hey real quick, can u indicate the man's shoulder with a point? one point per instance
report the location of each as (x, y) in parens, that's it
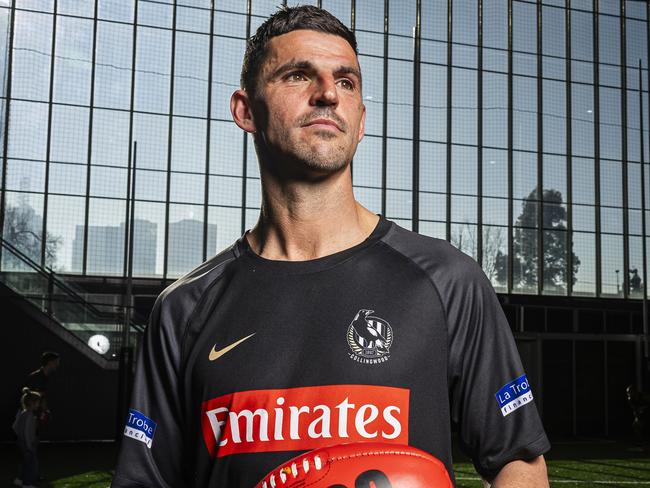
(436, 257)
(189, 288)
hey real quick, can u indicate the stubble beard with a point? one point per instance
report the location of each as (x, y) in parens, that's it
(322, 154)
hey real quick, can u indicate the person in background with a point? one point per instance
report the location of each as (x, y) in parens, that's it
(25, 429)
(38, 381)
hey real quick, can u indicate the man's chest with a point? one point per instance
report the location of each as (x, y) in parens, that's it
(294, 364)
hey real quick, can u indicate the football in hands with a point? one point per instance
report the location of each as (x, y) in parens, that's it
(360, 465)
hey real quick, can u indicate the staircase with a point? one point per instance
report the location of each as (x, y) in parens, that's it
(94, 329)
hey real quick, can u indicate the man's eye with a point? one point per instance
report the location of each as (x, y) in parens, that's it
(296, 77)
(347, 84)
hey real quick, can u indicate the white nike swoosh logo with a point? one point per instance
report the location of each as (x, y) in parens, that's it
(214, 354)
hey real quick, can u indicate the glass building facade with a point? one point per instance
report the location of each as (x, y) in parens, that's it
(517, 130)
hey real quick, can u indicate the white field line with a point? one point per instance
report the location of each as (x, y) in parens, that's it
(552, 481)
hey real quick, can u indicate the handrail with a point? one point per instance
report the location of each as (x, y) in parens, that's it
(50, 275)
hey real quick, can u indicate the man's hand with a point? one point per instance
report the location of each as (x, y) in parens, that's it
(517, 474)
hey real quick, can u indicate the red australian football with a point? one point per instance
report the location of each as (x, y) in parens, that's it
(360, 465)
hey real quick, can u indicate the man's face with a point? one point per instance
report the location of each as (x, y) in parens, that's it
(52, 365)
(308, 108)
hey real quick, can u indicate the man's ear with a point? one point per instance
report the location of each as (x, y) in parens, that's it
(241, 110)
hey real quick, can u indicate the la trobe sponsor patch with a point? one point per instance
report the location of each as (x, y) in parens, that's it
(513, 395)
(140, 427)
(370, 338)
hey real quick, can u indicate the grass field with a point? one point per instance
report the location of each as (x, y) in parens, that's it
(572, 464)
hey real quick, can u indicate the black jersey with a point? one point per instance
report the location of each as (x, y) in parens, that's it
(247, 362)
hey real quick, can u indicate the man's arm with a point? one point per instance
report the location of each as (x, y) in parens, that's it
(531, 474)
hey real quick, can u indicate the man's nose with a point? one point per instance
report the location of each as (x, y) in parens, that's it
(325, 92)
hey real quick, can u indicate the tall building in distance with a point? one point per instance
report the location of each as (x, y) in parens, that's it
(185, 246)
(107, 243)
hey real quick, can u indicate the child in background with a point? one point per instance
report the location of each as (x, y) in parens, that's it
(25, 428)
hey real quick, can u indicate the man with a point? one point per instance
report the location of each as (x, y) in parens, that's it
(325, 323)
(38, 381)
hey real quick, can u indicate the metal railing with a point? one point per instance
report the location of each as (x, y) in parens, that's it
(99, 326)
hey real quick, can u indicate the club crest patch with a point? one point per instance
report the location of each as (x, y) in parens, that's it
(369, 338)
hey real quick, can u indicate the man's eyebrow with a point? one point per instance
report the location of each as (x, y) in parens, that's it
(345, 70)
(309, 66)
(293, 64)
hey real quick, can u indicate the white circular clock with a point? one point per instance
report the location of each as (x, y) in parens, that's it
(99, 343)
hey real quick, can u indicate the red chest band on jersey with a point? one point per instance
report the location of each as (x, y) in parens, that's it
(304, 418)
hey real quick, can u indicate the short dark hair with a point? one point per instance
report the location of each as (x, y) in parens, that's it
(48, 356)
(285, 20)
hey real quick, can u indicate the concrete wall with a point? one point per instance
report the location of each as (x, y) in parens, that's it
(82, 396)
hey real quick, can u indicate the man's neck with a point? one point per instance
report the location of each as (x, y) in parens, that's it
(301, 221)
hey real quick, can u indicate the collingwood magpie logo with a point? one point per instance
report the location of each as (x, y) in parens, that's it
(370, 338)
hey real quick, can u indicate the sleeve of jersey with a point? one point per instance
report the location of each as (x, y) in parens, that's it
(150, 453)
(491, 400)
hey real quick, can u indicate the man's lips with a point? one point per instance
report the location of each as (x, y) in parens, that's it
(323, 122)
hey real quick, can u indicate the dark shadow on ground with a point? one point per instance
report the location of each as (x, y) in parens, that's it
(60, 460)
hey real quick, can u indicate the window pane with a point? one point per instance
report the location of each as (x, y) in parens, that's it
(25, 175)
(106, 232)
(433, 167)
(373, 94)
(188, 145)
(584, 250)
(495, 211)
(400, 99)
(187, 188)
(185, 240)
(69, 179)
(612, 265)
(191, 74)
(555, 262)
(524, 247)
(227, 227)
(611, 183)
(463, 237)
(524, 174)
(65, 216)
(583, 180)
(152, 77)
(495, 110)
(554, 118)
(610, 123)
(524, 113)
(433, 106)
(554, 175)
(69, 139)
(32, 56)
(110, 143)
(23, 228)
(464, 106)
(108, 182)
(28, 130)
(226, 65)
(464, 170)
(120, 10)
(150, 132)
(635, 273)
(74, 43)
(151, 185)
(113, 65)
(226, 149)
(149, 239)
(495, 256)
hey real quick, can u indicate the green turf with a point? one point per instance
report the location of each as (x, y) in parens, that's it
(575, 464)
